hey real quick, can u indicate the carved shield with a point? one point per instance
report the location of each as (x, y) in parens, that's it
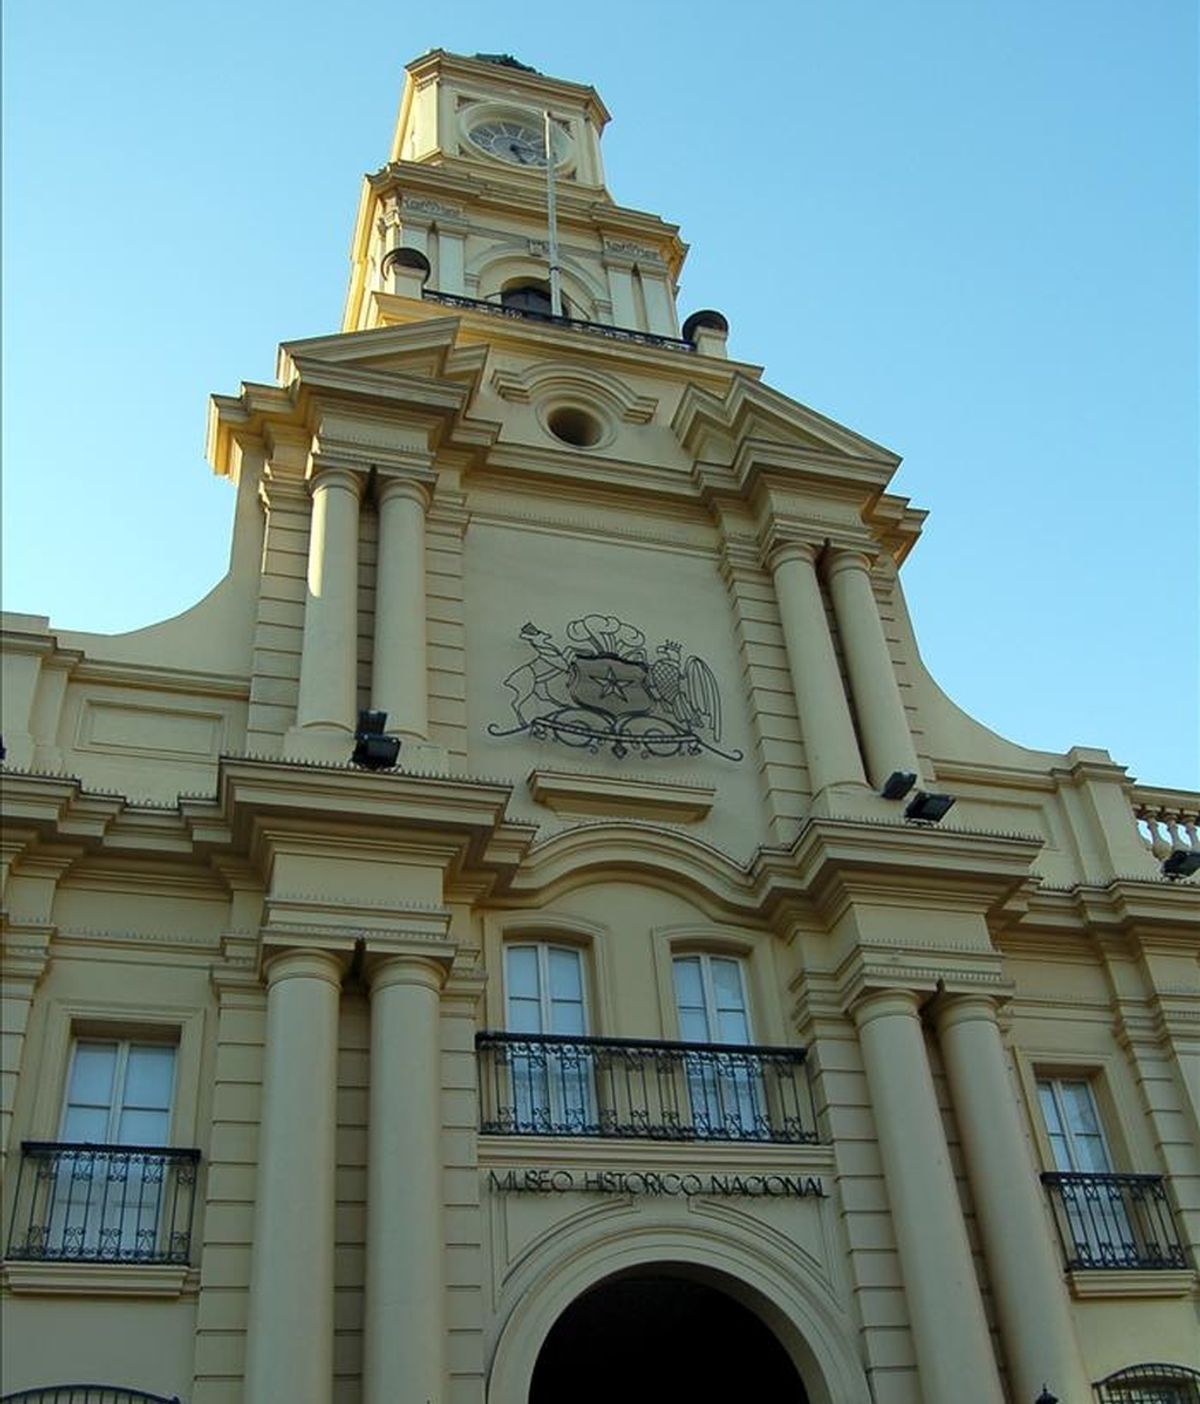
(604, 682)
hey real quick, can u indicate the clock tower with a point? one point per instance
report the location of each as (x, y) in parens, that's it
(461, 208)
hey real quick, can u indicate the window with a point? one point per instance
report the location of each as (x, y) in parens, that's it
(106, 1203)
(1092, 1197)
(1073, 1125)
(119, 1093)
(710, 995)
(552, 1077)
(726, 1089)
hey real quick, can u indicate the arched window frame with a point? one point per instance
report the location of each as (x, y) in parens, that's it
(527, 928)
(540, 286)
(754, 952)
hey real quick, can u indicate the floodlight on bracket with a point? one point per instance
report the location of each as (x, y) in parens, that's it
(925, 807)
(1182, 863)
(374, 750)
(898, 784)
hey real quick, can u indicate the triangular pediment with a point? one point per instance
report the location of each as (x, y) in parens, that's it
(750, 411)
(423, 349)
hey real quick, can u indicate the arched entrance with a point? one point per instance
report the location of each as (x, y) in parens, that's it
(652, 1336)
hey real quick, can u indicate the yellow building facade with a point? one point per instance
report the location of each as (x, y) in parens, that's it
(700, 1006)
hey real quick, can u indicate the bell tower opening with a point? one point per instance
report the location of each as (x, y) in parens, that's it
(530, 295)
(650, 1337)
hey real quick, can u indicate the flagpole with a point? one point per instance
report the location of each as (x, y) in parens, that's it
(552, 221)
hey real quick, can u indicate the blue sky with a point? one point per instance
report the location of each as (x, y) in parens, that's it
(966, 229)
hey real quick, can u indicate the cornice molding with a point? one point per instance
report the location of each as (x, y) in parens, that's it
(570, 792)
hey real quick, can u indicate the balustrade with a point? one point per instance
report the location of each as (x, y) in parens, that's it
(86, 1394)
(84, 1203)
(1114, 1221)
(630, 1089)
(1167, 821)
(529, 314)
(1154, 1383)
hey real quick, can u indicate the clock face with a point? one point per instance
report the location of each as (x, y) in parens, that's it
(511, 139)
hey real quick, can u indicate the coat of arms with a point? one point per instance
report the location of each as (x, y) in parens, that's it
(601, 690)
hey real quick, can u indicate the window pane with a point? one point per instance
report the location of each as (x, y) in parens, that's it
(566, 978)
(689, 991)
(92, 1074)
(85, 1124)
(148, 1076)
(522, 972)
(1049, 1108)
(1079, 1108)
(143, 1128)
(732, 1027)
(1091, 1154)
(727, 985)
(566, 1017)
(524, 1015)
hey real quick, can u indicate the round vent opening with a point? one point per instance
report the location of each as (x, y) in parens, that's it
(575, 426)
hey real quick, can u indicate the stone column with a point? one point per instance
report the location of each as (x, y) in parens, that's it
(404, 1329)
(830, 745)
(1025, 1270)
(882, 721)
(290, 1323)
(949, 1328)
(400, 672)
(329, 662)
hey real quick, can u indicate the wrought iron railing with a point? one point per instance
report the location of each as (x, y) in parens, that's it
(86, 1394)
(529, 314)
(1114, 1221)
(638, 1089)
(1151, 1384)
(84, 1203)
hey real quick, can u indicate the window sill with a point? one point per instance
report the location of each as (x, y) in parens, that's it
(100, 1279)
(1131, 1282)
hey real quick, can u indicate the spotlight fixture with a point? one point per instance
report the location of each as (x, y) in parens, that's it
(372, 748)
(1046, 1397)
(926, 808)
(898, 784)
(1182, 863)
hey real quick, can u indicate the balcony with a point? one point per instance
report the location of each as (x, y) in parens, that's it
(86, 1394)
(1114, 1221)
(529, 314)
(636, 1089)
(84, 1203)
(1150, 1384)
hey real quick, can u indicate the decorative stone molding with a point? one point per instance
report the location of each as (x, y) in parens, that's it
(425, 205)
(1130, 1282)
(626, 251)
(100, 1279)
(549, 380)
(577, 793)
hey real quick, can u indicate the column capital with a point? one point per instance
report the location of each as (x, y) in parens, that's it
(778, 550)
(304, 963)
(408, 968)
(839, 558)
(952, 1008)
(883, 1002)
(418, 489)
(324, 474)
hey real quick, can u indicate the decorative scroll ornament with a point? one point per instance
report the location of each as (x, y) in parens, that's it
(601, 692)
